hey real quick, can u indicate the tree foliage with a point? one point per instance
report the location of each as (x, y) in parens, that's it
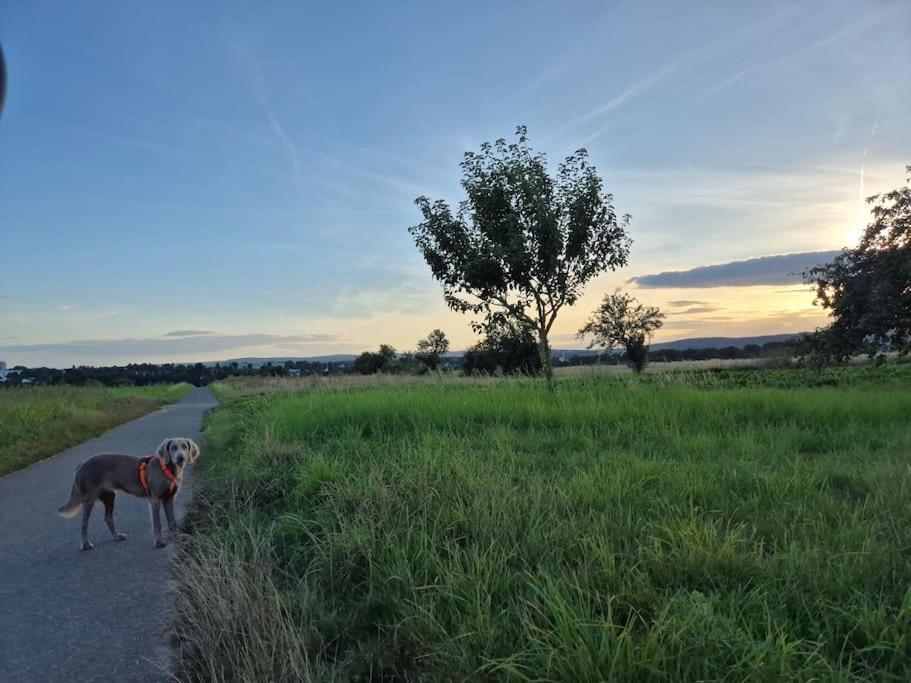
(867, 289)
(430, 350)
(508, 347)
(524, 243)
(621, 320)
(369, 363)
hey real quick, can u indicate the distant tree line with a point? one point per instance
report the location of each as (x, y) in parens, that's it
(140, 374)
(506, 349)
(775, 349)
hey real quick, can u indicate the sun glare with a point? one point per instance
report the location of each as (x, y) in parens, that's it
(853, 234)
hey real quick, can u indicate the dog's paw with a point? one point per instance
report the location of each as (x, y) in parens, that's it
(87, 546)
(119, 537)
(160, 544)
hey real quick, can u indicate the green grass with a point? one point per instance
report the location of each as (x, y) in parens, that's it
(693, 528)
(36, 422)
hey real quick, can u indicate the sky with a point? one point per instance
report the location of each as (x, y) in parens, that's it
(199, 181)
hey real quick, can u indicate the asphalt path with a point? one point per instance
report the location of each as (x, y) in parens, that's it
(98, 615)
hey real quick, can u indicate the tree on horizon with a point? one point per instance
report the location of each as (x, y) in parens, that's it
(524, 243)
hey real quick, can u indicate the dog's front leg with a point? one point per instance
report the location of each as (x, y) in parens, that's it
(169, 513)
(172, 521)
(155, 507)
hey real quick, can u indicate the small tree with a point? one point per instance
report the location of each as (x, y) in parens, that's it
(508, 346)
(369, 363)
(388, 353)
(867, 289)
(620, 320)
(523, 244)
(431, 349)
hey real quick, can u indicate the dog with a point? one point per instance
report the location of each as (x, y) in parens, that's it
(156, 477)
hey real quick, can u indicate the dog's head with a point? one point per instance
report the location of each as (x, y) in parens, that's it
(178, 451)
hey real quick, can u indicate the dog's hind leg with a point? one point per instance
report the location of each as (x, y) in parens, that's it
(107, 497)
(86, 513)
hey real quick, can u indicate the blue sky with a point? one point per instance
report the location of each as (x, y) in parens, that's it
(243, 173)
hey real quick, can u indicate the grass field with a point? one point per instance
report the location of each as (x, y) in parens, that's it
(737, 525)
(36, 422)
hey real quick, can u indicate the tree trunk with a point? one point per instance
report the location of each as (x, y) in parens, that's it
(546, 367)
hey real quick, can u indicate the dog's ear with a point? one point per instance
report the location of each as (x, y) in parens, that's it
(194, 450)
(163, 448)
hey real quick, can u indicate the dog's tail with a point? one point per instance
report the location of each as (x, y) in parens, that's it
(72, 506)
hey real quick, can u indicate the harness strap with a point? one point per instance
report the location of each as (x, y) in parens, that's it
(144, 473)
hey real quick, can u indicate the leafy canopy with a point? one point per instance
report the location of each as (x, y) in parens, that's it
(369, 362)
(867, 289)
(430, 350)
(523, 243)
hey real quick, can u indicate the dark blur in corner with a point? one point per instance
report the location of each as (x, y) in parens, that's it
(2, 80)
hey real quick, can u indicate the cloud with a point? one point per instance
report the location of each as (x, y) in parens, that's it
(792, 290)
(698, 309)
(171, 347)
(686, 302)
(782, 269)
(851, 28)
(259, 90)
(78, 312)
(630, 93)
(188, 333)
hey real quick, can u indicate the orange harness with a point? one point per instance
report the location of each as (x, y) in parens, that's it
(144, 476)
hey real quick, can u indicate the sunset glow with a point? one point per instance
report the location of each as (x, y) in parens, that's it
(230, 186)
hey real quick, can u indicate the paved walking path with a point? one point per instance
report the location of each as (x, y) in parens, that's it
(100, 615)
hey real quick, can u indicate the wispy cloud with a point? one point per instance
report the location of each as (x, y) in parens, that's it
(628, 94)
(259, 90)
(780, 269)
(87, 313)
(171, 347)
(687, 302)
(288, 144)
(188, 333)
(794, 290)
(854, 27)
(697, 309)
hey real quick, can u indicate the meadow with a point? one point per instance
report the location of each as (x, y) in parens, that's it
(732, 525)
(36, 422)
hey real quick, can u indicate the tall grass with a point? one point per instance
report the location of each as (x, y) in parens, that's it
(626, 530)
(36, 422)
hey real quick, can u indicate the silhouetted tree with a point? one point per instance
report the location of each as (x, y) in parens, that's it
(430, 350)
(369, 363)
(523, 244)
(620, 320)
(867, 289)
(508, 346)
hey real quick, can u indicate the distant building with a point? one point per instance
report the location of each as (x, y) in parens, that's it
(3, 371)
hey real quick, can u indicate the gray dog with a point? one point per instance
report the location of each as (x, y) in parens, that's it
(156, 477)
